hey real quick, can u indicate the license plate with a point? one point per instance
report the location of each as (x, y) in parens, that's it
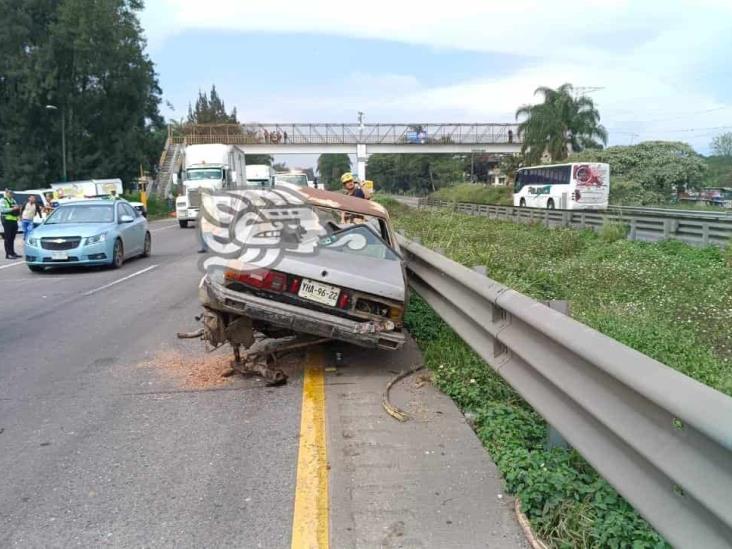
(317, 291)
(59, 256)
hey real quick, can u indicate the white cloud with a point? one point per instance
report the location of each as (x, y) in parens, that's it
(651, 57)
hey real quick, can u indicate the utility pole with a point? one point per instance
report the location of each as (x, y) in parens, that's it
(63, 137)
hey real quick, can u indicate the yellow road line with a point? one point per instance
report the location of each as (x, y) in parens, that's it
(310, 520)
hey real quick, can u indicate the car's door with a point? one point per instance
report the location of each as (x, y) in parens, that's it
(126, 230)
(137, 227)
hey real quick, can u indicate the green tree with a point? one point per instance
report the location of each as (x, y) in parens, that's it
(417, 173)
(87, 59)
(562, 124)
(659, 167)
(331, 167)
(509, 164)
(722, 144)
(210, 109)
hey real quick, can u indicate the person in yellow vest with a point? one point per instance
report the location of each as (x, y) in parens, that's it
(9, 211)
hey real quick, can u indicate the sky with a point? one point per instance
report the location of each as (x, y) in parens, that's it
(656, 69)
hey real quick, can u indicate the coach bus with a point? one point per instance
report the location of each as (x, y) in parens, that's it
(574, 186)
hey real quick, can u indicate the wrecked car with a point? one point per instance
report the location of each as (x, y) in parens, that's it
(302, 265)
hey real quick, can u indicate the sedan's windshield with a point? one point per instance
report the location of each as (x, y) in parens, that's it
(202, 174)
(78, 213)
(359, 240)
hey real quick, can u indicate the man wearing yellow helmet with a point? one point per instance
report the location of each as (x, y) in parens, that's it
(350, 187)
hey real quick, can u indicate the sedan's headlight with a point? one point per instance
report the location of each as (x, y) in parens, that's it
(34, 241)
(97, 238)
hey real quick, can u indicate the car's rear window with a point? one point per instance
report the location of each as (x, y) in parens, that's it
(359, 240)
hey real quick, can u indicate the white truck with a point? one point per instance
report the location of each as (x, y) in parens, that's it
(214, 167)
(260, 175)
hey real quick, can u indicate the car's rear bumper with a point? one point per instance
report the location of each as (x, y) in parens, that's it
(298, 319)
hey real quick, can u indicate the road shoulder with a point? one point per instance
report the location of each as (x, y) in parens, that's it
(426, 482)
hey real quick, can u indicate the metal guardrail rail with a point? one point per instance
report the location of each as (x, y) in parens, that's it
(663, 440)
(699, 229)
(344, 134)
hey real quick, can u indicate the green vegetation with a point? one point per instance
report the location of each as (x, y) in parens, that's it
(667, 300)
(722, 145)
(719, 171)
(475, 193)
(157, 208)
(331, 167)
(561, 124)
(416, 173)
(86, 59)
(649, 171)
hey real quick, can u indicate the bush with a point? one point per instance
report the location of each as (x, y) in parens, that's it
(631, 193)
(475, 194)
(613, 231)
(727, 254)
(156, 207)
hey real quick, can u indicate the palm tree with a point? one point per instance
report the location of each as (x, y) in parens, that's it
(562, 124)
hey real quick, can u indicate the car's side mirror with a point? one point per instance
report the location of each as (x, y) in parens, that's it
(126, 219)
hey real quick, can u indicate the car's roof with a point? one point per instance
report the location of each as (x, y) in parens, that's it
(339, 201)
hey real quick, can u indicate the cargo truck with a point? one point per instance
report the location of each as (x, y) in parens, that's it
(213, 167)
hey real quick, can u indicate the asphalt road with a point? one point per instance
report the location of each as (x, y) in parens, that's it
(97, 448)
(108, 439)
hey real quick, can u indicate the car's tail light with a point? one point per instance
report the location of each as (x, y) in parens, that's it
(261, 279)
(344, 300)
(395, 313)
(294, 285)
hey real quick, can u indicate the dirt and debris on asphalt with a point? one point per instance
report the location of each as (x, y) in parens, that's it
(194, 368)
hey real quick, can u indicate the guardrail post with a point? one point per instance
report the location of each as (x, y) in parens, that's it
(633, 229)
(566, 218)
(554, 438)
(705, 234)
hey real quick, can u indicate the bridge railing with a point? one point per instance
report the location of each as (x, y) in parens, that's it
(345, 134)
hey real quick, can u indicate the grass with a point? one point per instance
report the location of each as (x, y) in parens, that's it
(475, 193)
(667, 300)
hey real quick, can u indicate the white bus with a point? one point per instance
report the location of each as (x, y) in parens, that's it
(575, 186)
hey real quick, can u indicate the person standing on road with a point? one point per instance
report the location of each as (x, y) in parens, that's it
(31, 209)
(9, 211)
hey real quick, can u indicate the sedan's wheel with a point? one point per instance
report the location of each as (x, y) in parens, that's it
(183, 224)
(550, 204)
(118, 256)
(522, 203)
(148, 246)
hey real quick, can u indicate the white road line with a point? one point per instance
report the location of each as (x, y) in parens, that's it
(11, 265)
(143, 271)
(163, 228)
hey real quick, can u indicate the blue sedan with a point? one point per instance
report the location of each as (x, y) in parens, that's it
(89, 232)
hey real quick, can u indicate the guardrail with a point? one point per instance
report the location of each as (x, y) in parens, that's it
(699, 229)
(663, 440)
